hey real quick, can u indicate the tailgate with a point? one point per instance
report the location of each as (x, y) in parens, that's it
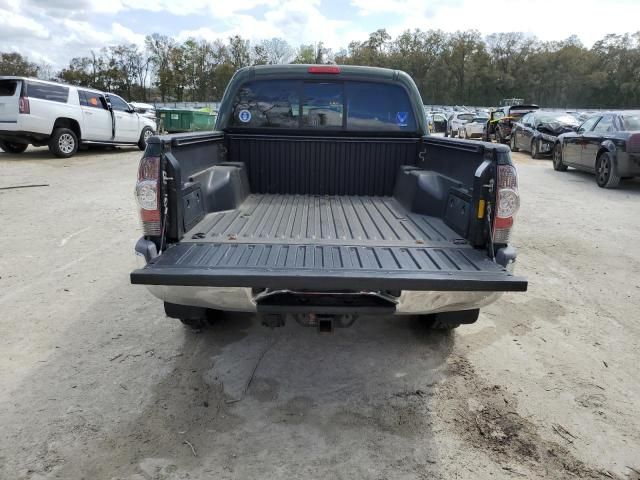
(327, 267)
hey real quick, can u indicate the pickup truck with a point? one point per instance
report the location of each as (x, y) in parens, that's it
(321, 196)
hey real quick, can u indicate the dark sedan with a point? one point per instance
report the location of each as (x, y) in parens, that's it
(537, 132)
(607, 144)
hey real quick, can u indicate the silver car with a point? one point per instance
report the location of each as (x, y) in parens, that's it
(475, 128)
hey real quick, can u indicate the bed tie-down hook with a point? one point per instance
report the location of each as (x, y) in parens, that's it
(422, 155)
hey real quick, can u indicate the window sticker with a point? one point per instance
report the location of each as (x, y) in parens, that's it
(244, 116)
(401, 118)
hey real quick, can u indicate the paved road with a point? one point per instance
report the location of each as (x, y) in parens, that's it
(98, 384)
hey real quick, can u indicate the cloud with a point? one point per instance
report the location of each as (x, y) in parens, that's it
(297, 22)
(60, 29)
(546, 19)
(15, 26)
(120, 32)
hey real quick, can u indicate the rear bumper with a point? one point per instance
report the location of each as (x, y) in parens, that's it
(239, 299)
(438, 294)
(628, 164)
(21, 136)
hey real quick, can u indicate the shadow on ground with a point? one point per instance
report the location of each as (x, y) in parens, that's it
(242, 400)
(43, 153)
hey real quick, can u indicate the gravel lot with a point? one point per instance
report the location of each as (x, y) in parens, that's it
(98, 384)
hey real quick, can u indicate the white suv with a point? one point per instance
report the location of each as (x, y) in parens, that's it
(456, 121)
(64, 117)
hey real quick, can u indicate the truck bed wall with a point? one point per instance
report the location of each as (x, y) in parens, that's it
(322, 166)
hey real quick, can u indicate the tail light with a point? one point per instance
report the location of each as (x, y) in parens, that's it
(147, 194)
(507, 203)
(23, 105)
(333, 69)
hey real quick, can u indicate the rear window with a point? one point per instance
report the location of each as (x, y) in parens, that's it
(631, 122)
(8, 88)
(378, 106)
(293, 104)
(45, 91)
(465, 116)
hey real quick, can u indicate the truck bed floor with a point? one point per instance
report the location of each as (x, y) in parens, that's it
(335, 220)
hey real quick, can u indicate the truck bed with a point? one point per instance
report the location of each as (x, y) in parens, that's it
(322, 219)
(311, 241)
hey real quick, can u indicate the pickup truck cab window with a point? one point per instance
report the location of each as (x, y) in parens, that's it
(322, 105)
(298, 104)
(267, 104)
(379, 107)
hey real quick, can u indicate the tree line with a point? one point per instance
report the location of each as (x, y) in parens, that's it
(460, 68)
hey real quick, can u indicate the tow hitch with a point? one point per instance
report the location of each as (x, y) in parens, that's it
(325, 323)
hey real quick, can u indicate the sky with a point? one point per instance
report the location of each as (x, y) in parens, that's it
(54, 31)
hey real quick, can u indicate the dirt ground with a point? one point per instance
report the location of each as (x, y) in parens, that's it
(98, 384)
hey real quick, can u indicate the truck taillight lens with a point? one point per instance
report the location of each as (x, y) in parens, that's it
(147, 194)
(23, 105)
(507, 203)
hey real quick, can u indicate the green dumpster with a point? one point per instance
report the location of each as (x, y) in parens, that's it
(174, 120)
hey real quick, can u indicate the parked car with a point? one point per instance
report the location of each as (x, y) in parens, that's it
(145, 109)
(607, 144)
(456, 120)
(65, 116)
(324, 213)
(537, 132)
(436, 122)
(475, 128)
(501, 121)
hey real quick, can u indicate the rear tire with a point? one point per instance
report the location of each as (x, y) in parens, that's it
(202, 322)
(196, 318)
(11, 147)
(606, 176)
(513, 144)
(558, 165)
(63, 143)
(144, 136)
(451, 320)
(535, 150)
(433, 323)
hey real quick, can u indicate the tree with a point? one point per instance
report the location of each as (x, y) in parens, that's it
(239, 52)
(160, 47)
(277, 51)
(305, 54)
(15, 64)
